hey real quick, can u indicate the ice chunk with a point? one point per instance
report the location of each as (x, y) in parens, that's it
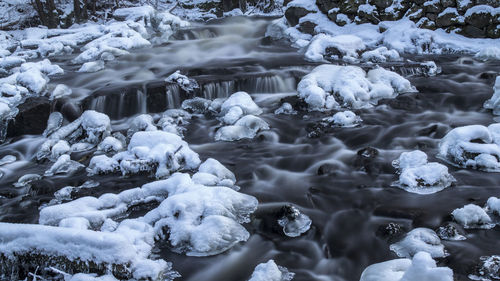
(411, 159)
(473, 146)
(472, 216)
(92, 66)
(494, 102)
(213, 167)
(32, 80)
(245, 128)
(110, 145)
(285, 108)
(270, 271)
(64, 165)
(421, 267)
(493, 205)
(196, 105)
(344, 119)
(343, 45)
(233, 115)
(450, 232)
(417, 240)
(7, 159)
(102, 164)
(334, 86)
(61, 147)
(294, 223)
(143, 122)
(53, 123)
(26, 180)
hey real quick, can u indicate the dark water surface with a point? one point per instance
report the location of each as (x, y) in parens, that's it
(348, 198)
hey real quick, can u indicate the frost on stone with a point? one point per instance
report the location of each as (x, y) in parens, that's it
(332, 87)
(238, 115)
(418, 240)
(416, 175)
(343, 119)
(338, 47)
(195, 219)
(450, 232)
(488, 269)
(270, 271)
(293, 222)
(186, 83)
(285, 108)
(472, 146)
(472, 216)
(421, 267)
(494, 102)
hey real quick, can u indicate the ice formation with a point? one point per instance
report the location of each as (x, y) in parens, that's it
(472, 216)
(186, 83)
(472, 146)
(270, 271)
(488, 53)
(285, 108)
(238, 115)
(417, 240)
(494, 102)
(489, 269)
(450, 232)
(333, 86)
(419, 176)
(293, 222)
(421, 267)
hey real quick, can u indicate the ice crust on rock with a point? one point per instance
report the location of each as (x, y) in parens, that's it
(293, 222)
(270, 271)
(421, 267)
(186, 83)
(473, 146)
(332, 86)
(472, 216)
(238, 115)
(196, 219)
(489, 269)
(494, 102)
(418, 240)
(419, 176)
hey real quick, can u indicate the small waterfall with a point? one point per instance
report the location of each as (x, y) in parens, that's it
(173, 94)
(99, 104)
(269, 84)
(141, 102)
(220, 89)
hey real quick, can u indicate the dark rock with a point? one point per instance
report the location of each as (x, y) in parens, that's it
(463, 6)
(492, 31)
(332, 15)
(415, 13)
(426, 23)
(307, 27)
(431, 16)
(293, 14)
(488, 75)
(70, 111)
(31, 119)
(382, 4)
(403, 101)
(350, 6)
(326, 5)
(369, 17)
(472, 31)
(479, 20)
(391, 231)
(451, 231)
(342, 20)
(433, 8)
(445, 20)
(448, 3)
(327, 169)
(366, 160)
(493, 3)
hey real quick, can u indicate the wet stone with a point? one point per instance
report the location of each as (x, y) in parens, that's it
(31, 119)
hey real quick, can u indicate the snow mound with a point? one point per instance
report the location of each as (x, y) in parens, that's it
(419, 176)
(84, 133)
(418, 240)
(333, 86)
(270, 271)
(344, 119)
(237, 114)
(421, 267)
(494, 102)
(338, 47)
(472, 146)
(472, 216)
(195, 219)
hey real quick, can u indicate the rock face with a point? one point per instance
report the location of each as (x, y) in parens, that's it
(478, 19)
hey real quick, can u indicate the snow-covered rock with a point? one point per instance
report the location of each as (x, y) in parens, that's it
(473, 146)
(421, 267)
(472, 216)
(186, 83)
(92, 66)
(419, 176)
(270, 271)
(381, 54)
(340, 46)
(494, 102)
(332, 86)
(60, 91)
(418, 240)
(344, 119)
(285, 108)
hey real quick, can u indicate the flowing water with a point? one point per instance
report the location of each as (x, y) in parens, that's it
(348, 196)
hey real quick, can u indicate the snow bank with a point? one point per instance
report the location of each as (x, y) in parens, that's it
(473, 146)
(270, 271)
(421, 267)
(332, 86)
(419, 176)
(418, 240)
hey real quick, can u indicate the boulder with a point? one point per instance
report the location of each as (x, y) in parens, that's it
(472, 31)
(293, 14)
(31, 119)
